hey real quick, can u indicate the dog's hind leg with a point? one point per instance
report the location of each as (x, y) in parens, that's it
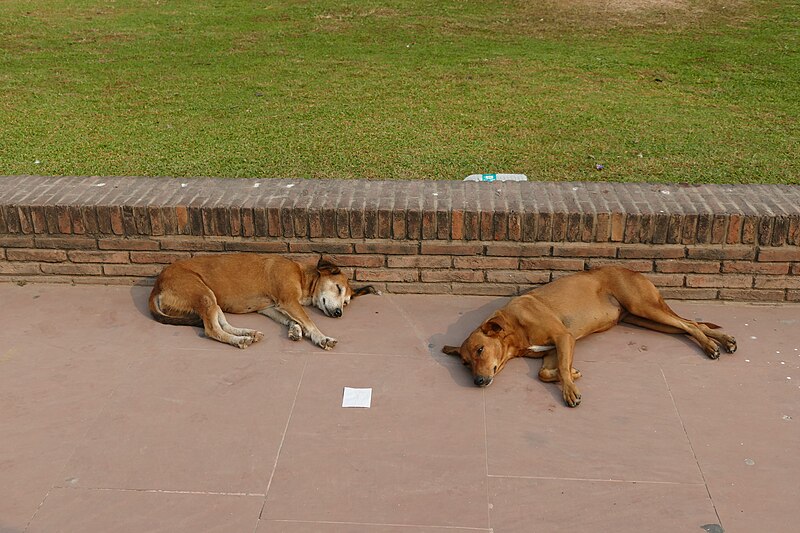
(720, 338)
(237, 332)
(295, 331)
(643, 300)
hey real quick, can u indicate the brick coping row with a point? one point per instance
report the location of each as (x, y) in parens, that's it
(574, 225)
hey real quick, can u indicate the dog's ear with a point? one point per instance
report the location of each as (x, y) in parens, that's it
(326, 267)
(369, 289)
(495, 325)
(451, 350)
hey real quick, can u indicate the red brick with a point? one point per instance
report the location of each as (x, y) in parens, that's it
(637, 265)
(748, 235)
(585, 250)
(666, 280)
(485, 289)
(468, 276)
(257, 246)
(386, 248)
(132, 270)
(399, 224)
(731, 281)
(14, 241)
(743, 252)
(698, 267)
(446, 248)
(748, 267)
(64, 222)
(419, 288)
(518, 249)
(796, 268)
(19, 268)
(793, 296)
(322, 247)
(80, 256)
(357, 260)
(517, 276)
(779, 254)
(419, 261)
(689, 294)
(485, 262)
(108, 280)
(777, 282)
(158, 257)
(192, 244)
(647, 251)
(457, 224)
(25, 254)
(66, 243)
(603, 227)
(552, 263)
(734, 233)
(72, 269)
(752, 295)
(396, 274)
(117, 222)
(127, 244)
(514, 227)
(617, 227)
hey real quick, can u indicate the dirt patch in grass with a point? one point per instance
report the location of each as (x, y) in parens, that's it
(593, 15)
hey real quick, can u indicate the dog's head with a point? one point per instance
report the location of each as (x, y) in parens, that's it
(487, 350)
(333, 291)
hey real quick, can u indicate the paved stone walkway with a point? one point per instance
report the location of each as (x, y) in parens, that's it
(113, 422)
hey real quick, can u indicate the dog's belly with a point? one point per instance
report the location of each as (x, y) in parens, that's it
(249, 304)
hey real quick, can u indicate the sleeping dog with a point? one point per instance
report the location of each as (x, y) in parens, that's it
(547, 321)
(196, 291)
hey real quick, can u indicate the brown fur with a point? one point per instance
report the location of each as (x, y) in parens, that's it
(197, 291)
(557, 314)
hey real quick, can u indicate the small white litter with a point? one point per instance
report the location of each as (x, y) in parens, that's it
(357, 397)
(496, 177)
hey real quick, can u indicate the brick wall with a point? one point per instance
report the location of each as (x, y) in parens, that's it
(708, 242)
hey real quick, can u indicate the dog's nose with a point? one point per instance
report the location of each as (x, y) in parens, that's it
(337, 313)
(482, 381)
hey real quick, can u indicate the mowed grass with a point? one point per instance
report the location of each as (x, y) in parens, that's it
(668, 91)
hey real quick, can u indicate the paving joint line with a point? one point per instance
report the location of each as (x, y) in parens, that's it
(691, 447)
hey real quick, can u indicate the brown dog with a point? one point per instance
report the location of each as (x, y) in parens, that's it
(196, 291)
(547, 321)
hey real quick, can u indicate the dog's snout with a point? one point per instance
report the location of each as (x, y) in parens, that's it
(337, 313)
(482, 381)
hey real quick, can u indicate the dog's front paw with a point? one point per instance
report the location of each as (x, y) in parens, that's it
(326, 343)
(295, 332)
(257, 336)
(572, 397)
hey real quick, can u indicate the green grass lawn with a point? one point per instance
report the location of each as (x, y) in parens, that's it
(676, 90)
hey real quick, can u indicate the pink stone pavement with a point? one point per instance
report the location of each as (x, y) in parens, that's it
(111, 422)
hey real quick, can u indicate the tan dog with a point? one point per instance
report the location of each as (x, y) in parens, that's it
(196, 291)
(547, 321)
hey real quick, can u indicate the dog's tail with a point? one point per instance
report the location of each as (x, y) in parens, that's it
(181, 320)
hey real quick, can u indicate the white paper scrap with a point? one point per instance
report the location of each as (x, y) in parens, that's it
(356, 397)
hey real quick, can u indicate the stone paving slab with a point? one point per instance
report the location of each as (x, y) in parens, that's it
(113, 422)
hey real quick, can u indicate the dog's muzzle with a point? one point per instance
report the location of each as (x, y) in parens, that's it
(482, 381)
(336, 313)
